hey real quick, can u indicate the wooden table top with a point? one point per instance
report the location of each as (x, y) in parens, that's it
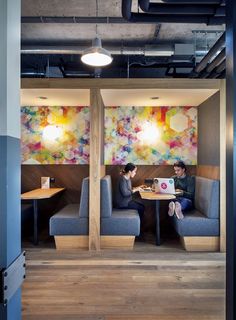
(149, 195)
(40, 193)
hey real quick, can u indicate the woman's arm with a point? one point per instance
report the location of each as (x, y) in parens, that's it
(125, 190)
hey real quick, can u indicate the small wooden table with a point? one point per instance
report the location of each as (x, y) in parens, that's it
(149, 195)
(36, 195)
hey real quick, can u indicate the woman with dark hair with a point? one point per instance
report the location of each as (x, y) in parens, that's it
(185, 188)
(125, 191)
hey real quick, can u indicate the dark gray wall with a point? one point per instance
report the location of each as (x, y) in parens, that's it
(209, 131)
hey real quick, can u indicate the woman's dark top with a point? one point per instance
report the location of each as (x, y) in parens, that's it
(187, 184)
(123, 193)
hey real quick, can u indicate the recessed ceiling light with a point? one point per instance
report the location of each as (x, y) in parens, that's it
(154, 98)
(42, 98)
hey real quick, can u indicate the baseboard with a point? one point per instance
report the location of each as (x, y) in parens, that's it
(82, 242)
(117, 242)
(201, 243)
(71, 242)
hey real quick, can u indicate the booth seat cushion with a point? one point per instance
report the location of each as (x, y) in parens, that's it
(122, 222)
(196, 224)
(68, 222)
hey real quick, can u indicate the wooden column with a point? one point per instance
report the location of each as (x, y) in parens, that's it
(223, 166)
(96, 169)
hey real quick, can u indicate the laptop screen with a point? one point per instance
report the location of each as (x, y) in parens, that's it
(165, 185)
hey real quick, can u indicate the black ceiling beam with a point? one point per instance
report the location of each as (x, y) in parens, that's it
(178, 9)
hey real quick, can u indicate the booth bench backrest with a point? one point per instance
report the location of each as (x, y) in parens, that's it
(84, 199)
(207, 195)
(106, 198)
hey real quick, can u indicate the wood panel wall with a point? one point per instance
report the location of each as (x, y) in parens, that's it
(210, 172)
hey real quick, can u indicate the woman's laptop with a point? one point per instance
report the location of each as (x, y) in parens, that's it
(165, 185)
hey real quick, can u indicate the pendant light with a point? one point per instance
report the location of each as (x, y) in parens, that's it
(96, 55)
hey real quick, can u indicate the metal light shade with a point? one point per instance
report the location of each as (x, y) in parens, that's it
(96, 56)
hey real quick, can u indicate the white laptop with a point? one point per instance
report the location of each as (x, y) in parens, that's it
(165, 185)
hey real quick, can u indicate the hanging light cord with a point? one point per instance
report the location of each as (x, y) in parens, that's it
(96, 17)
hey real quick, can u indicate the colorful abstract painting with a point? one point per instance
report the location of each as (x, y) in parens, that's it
(150, 135)
(55, 135)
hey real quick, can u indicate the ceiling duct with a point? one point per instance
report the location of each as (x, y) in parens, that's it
(179, 9)
(195, 1)
(147, 50)
(169, 17)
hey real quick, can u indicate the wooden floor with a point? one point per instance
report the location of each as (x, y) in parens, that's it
(161, 283)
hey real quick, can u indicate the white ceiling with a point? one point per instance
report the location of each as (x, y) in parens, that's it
(116, 97)
(55, 97)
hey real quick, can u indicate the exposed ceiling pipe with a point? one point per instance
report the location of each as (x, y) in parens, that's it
(218, 59)
(148, 50)
(217, 46)
(214, 63)
(177, 9)
(166, 18)
(72, 19)
(218, 70)
(195, 1)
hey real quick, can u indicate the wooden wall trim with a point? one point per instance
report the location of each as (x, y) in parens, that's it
(223, 166)
(96, 169)
(121, 83)
(210, 172)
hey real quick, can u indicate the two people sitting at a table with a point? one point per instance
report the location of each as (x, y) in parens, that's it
(185, 188)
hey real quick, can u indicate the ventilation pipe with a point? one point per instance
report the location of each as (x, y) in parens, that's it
(218, 2)
(177, 9)
(218, 70)
(165, 18)
(158, 50)
(217, 46)
(213, 64)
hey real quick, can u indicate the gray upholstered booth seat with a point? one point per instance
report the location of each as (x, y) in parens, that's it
(116, 221)
(196, 224)
(73, 218)
(68, 222)
(204, 220)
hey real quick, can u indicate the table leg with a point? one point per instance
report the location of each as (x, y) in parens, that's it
(158, 240)
(35, 204)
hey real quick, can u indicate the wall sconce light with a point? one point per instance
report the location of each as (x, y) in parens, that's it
(149, 134)
(51, 133)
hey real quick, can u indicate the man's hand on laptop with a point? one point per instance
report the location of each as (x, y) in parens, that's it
(179, 191)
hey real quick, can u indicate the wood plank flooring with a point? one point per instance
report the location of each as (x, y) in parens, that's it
(148, 283)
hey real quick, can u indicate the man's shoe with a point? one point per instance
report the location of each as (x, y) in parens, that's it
(171, 210)
(178, 210)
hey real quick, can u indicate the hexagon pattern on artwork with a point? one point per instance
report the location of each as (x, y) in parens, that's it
(192, 113)
(179, 122)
